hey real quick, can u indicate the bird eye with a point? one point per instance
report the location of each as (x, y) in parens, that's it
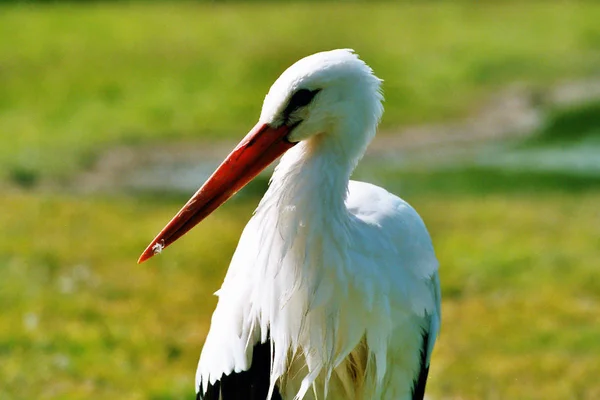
(301, 98)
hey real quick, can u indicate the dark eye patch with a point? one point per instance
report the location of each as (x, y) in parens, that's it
(301, 98)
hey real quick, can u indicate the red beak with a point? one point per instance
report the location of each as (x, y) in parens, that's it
(255, 152)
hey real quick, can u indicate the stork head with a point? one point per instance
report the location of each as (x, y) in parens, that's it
(332, 95)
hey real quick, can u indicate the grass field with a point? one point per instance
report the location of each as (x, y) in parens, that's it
(520, 283)
(519, 251)
(78, 78)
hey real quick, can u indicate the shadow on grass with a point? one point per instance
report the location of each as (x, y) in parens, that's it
(480, 181)
(569, 125)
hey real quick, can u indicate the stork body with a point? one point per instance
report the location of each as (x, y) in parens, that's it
(333, 291)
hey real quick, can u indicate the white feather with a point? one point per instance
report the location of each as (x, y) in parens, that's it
(341, 274)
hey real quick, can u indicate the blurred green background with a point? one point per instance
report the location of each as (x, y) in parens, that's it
(112, 113)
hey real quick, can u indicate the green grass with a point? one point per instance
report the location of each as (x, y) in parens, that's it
(78, 78)
(80, 319)
(107, 326)
(519, 272)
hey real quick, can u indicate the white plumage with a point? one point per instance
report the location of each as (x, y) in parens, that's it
(338, 277)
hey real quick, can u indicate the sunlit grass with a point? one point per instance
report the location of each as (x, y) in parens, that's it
(519, 251)
(520, 280)
(77, 78)
(80, 317)
(521, 285)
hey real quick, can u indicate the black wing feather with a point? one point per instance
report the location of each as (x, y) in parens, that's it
(252, 384)
(418, 392)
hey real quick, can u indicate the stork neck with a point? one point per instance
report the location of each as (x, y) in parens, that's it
(312, 181)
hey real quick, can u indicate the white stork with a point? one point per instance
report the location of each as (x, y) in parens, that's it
(333, 291)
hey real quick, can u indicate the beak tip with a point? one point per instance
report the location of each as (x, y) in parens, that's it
(144, 257)
(156, 247)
